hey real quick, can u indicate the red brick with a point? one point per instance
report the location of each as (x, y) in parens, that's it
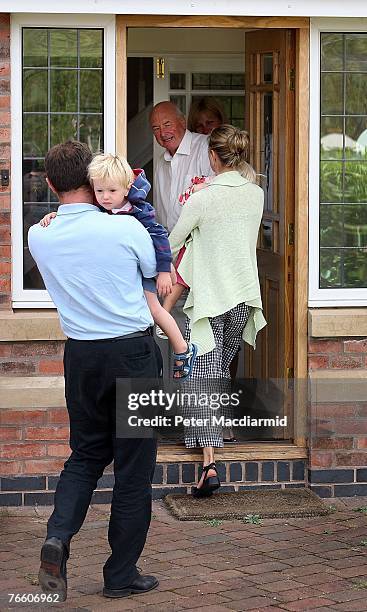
(10, 433)
(325, 346)
(9, 468)
(5, 285)
(318, 362)
(4, 201)
(351, 426)
(4, 100)
(5, 218)
(46, 433)
(4, 134)
(9, 451)
(35, 348)
(346, 362)
(5, 118)
(5, 268)
(59, 415)
(4, 20)
(361, 442)
(51, 367)
(5, 251)
(330, 443)
(333, 410)
(351, 459)
(320, 459)
(5, 350)
(14, 417)
(17, 367)
(4, 231)
(43, 466)
(58, 450)
(356, 346)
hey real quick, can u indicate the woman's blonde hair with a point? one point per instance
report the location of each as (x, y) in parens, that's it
(232, 146)
(203, 105)
(106, 166)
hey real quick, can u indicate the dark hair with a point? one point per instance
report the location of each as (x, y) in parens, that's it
(66, 165)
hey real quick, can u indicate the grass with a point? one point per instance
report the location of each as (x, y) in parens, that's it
(213, 522)
(360, 584)
(252, 519)
(362, 509)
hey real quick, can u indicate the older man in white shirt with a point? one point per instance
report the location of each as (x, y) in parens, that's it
(185, 156)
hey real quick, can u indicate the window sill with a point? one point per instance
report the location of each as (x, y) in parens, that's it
(337, 322)
(23, 326)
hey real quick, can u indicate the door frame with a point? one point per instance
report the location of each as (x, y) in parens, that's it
(301, 25)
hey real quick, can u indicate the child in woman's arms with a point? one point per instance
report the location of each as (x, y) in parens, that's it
(120, 190)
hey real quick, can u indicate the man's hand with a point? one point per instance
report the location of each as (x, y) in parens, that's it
(164, 284)
(47, 219)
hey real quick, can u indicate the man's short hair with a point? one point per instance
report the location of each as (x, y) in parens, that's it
(67, 164)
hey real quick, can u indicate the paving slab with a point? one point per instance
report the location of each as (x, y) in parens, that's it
(219, 566)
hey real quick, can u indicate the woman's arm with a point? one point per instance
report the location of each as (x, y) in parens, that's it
(189, 219)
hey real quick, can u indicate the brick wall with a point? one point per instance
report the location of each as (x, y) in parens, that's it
(37, 358)
(338, 440)
(5, 261)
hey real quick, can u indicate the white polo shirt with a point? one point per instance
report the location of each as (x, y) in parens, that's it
(173, 175)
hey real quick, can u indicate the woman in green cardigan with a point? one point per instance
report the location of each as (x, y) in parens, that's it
(219, 226)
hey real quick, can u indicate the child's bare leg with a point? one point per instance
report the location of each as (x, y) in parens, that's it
(166, 322)
(171, 299)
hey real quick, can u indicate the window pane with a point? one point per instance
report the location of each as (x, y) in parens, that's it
(331, 226)
(35, 90)
(356, 52)
(180, 102)
(177, 80)
(331, 181)
(356, 135)
(355, 268)
(355, 182)
(91, 49)
(356, 94)
(238, 106)
(91, 91)
(63, 47)
(64, 91)
(35, 135)
(201, 81)
(34, 181)
(91, 131)
(238, 81)
(332, 137)
(34, 47)
(355, 225)
(330, 268)
(63, 127)
(331, 94)
(267, 68)
(332, 52)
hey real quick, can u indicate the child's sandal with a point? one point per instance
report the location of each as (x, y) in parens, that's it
(187, 362)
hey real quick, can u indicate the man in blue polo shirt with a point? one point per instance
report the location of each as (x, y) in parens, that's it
(92, 265)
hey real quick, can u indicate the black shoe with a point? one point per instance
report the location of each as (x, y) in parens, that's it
(210, 484)
(141, 584)
(52, 573)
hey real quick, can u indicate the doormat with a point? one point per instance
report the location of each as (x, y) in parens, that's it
(284, 503)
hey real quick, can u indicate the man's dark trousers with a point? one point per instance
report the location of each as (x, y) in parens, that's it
(91, 369)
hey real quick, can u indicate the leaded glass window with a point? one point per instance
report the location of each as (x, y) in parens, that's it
(343, 161)
(62, 100)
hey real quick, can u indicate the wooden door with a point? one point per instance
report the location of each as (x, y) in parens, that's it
(270, 122)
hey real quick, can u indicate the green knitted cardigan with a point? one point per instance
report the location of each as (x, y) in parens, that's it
(219, 226)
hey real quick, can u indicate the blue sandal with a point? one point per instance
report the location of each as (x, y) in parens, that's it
(187, 359)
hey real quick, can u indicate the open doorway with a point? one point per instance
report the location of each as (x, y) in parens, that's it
(250, 72)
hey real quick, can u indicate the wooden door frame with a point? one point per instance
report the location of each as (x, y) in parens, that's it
(301, 25)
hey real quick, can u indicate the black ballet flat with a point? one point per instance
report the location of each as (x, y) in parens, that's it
(210, 484)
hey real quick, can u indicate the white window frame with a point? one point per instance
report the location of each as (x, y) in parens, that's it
(36, 298)
(324, 297)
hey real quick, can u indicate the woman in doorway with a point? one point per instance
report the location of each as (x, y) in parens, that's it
(205, 114)
(219, 226)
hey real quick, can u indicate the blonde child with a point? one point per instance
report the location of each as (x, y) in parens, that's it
(120, 190)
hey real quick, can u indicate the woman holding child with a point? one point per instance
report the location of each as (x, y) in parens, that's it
(219, 227)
